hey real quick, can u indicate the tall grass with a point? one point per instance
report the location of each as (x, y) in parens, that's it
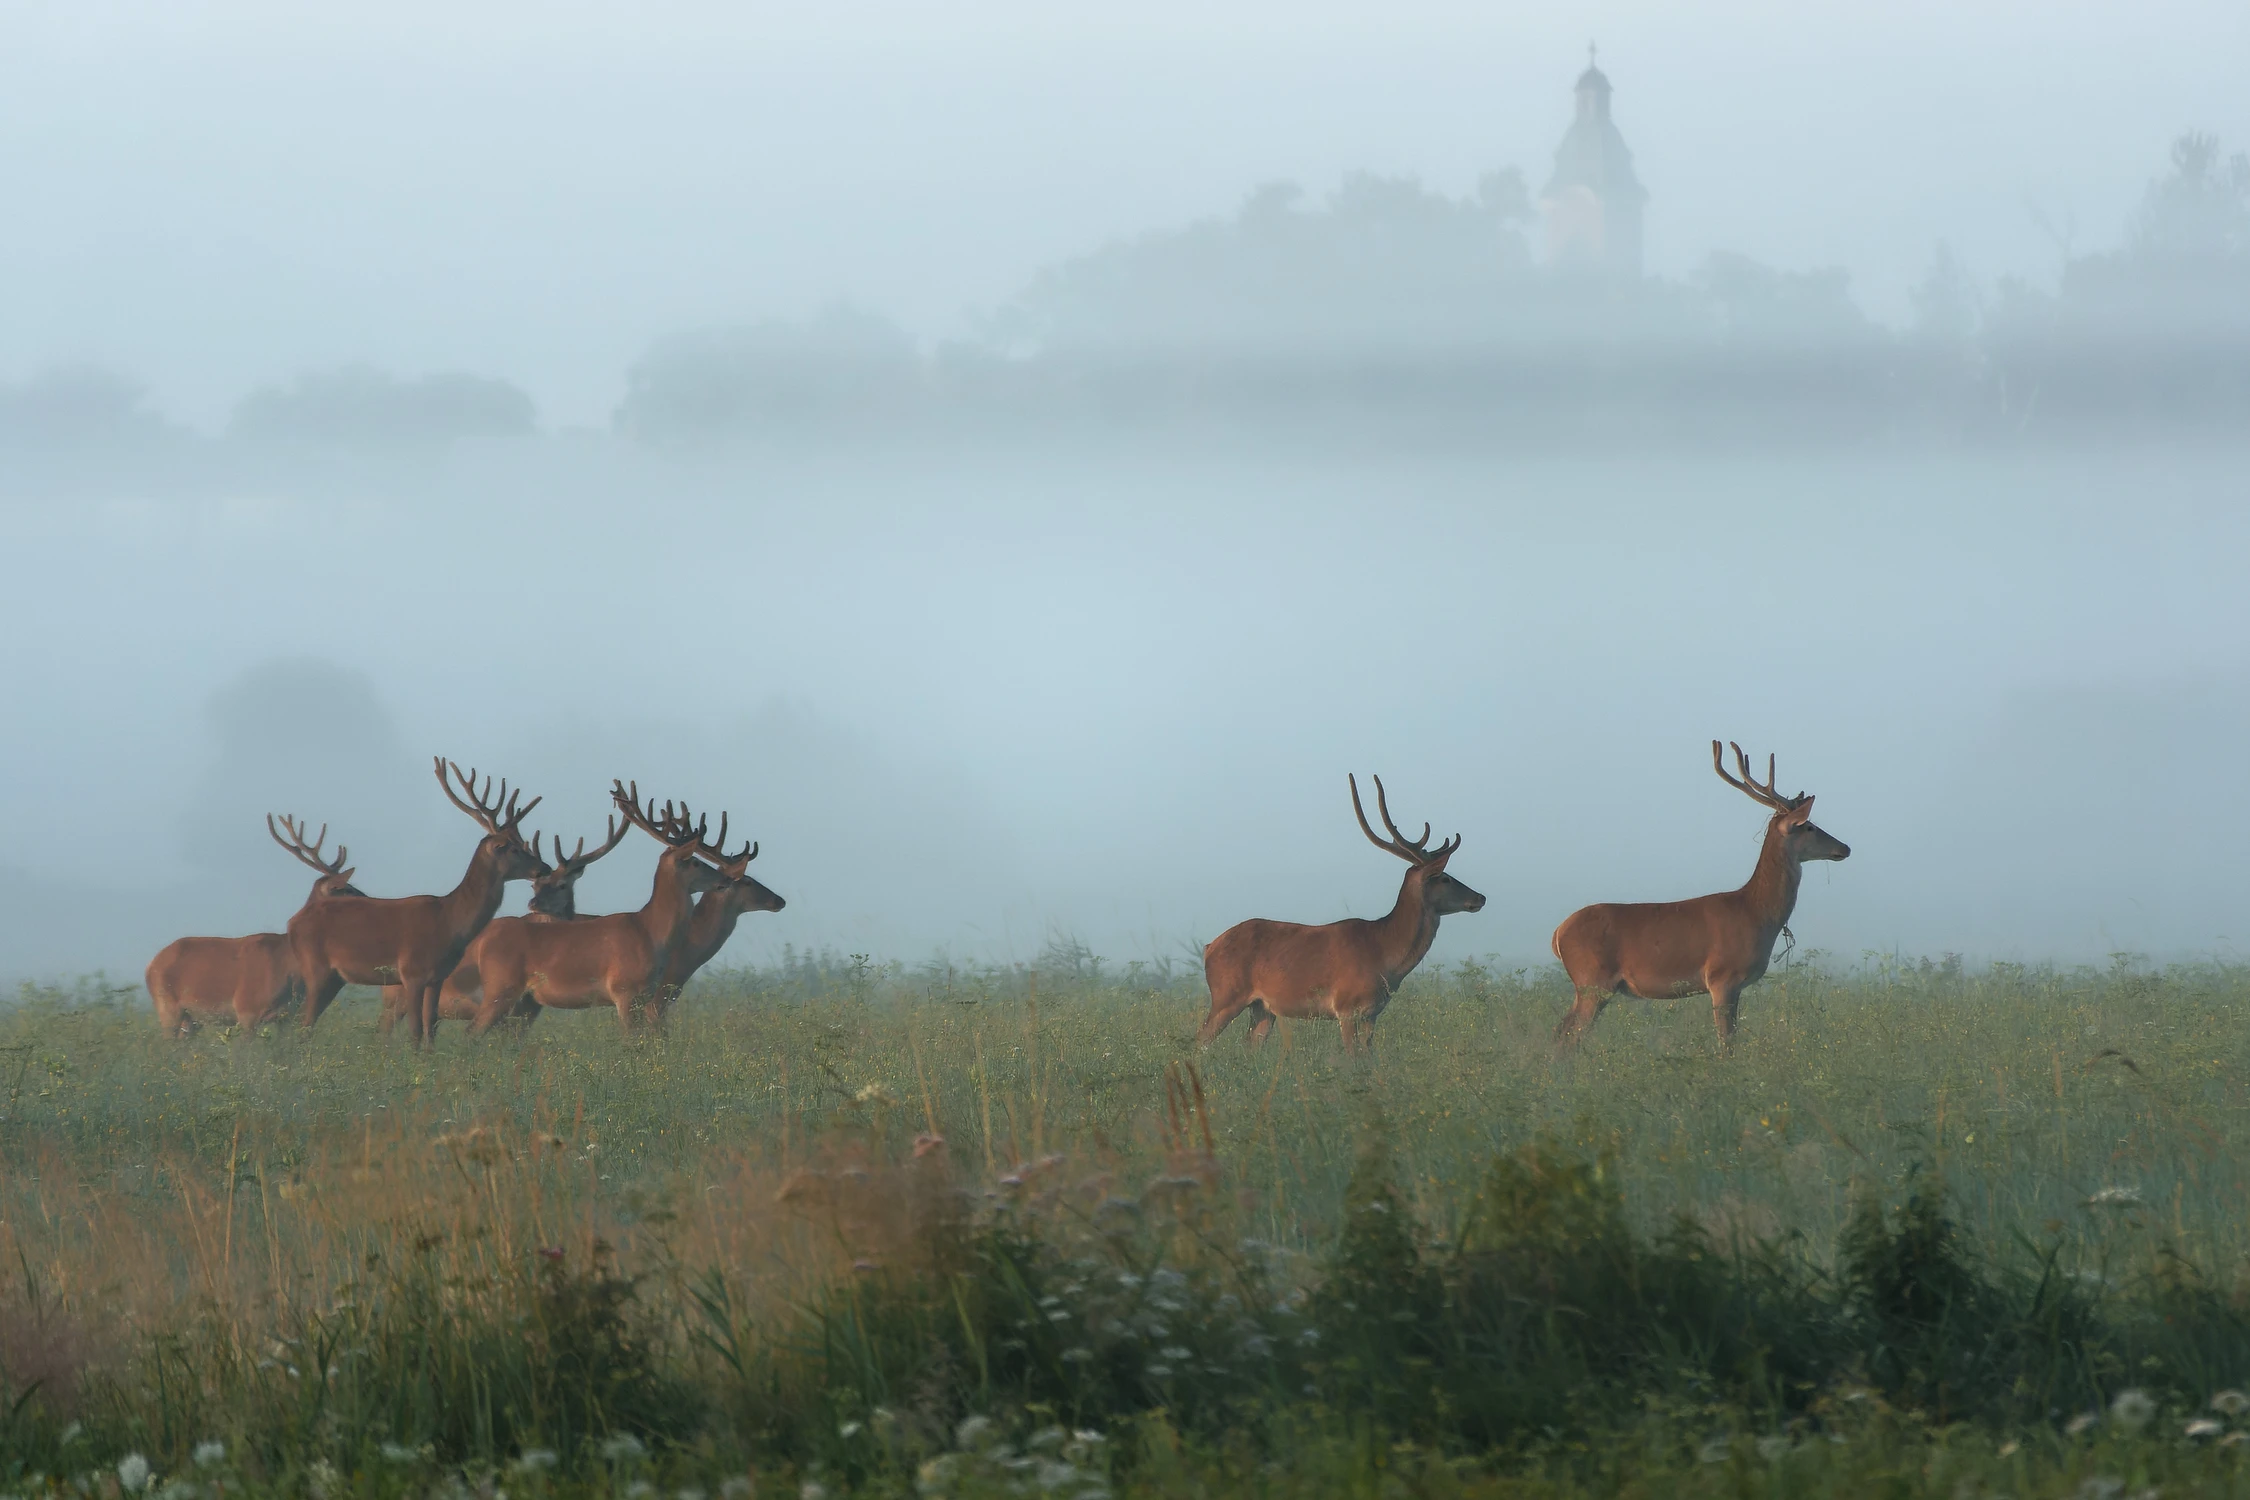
(843, 1208)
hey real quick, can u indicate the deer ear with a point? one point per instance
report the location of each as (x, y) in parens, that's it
(1802, 812)
(1437, 866)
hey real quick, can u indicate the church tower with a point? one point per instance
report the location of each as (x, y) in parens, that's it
(1592, 203)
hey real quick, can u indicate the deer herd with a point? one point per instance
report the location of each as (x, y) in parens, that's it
(451, 957)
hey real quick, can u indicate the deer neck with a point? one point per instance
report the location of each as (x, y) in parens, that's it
(1404, 936)
(1771, 894)
(667, 912)
(712, 924)
(470, 905)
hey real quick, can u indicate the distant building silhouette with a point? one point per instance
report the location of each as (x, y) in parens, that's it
(1592, 203)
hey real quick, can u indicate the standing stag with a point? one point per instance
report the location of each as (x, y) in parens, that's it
(1715, 945)
(1346, 969)
(249, 980)
(716, 912)
(618, 960)
(415, 941)
(554, 898)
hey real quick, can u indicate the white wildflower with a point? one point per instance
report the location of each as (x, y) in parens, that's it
(976, 1432)
(2203, 1427)
(399, 1453)
(1713, 1452)
(133, 1472)
(209, 1453)
(2115, 1197)
(812, 1489)
(1077, 1356)
(623, 1448)
(639, 1489)
(1773, 1447)
(2080, 1423)
(849, 1430)
(737, 1488)
(2230, 1403)
(2132, 1409)
(532, 1460)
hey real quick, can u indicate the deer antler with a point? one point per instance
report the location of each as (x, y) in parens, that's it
(712, 849)
(679, 826)
(310, 854)
(497, 815)
(1748, 784)
(578, 860)
(1413, 851)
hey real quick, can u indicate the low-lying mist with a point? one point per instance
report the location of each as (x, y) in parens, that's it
(972, 698)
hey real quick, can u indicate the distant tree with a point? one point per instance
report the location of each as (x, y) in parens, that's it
(2200, 212)
(2156, 331)
(843, 366)
(76, 405)
(1383, 262)
(1947, 304)
(359, 406)
(1759, 308)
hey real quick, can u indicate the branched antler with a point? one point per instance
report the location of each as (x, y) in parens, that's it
(1748, 784)
(497, 814)
(1413, 851)
(309, 853)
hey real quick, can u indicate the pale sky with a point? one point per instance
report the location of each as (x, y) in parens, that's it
(215, 195)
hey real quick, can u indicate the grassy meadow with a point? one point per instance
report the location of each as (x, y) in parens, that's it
(849, 1227)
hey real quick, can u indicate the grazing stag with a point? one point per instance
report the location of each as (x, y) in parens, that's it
(1715, 945)
(618, 960)
(248, 980)
(415, 941)
(1347, 969)
(554, 898)
(716, 912)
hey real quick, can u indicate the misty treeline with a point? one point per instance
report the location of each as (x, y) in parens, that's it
(1384, 302)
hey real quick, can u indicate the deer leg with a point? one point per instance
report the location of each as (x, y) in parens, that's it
(1349, 1022)
(1222, 1016)
(1581, 1014)
(1726, 1002)
(319, 997)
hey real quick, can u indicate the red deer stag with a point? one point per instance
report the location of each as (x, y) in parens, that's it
(617, 960)
(1714, 945)
(1347, 969)
(248, 980)
(716, 912)
(554, 898)
(414, 941)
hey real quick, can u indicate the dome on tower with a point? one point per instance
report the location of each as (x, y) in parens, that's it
(1592, 201)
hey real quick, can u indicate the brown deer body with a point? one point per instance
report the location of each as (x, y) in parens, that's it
(415, 941)
(1348, 969)
(1716, 944)
(554, 898)
(247, 981)
(617, 960)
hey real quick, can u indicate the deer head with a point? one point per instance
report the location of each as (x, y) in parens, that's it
(1440, 893)
(746, 893)
(554, 888)
(499, 817)
(334, 879)
(683, 841)
(1801, 838)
